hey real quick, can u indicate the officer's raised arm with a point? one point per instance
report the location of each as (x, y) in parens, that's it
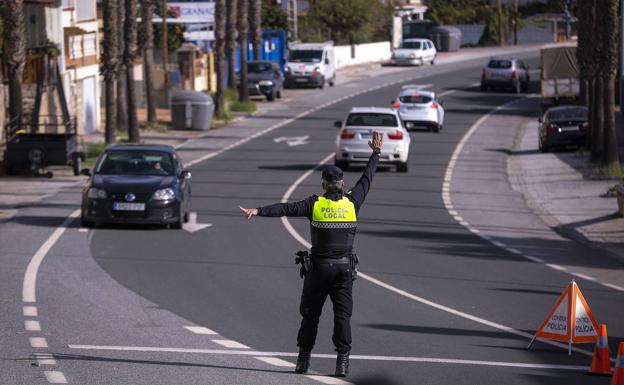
(359, 191)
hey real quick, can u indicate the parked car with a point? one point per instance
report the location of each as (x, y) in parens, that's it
(563, 125)
(265, 78)
(419, 108)
(357, 129)
(414, 52)
(311, 65)
(137, 184)
(505, 72)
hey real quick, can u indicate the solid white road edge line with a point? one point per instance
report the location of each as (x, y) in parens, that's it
(30, 277)
(403, 293)
(262, 355)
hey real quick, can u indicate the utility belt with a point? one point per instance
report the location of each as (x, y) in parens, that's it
(307, 262)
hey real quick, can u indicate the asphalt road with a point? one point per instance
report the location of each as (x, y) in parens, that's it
(238, 279)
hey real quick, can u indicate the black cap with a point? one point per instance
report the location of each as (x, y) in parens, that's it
(332, 174)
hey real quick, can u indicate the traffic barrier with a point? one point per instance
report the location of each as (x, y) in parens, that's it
(601, 361)
(570, 320)
(618, 375)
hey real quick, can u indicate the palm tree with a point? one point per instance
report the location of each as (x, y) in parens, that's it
(147, 49)
(14, 55)
(110, 63)
(230, 42)
(597, 112)
(122, 88)
(585, 27)
(219, 55)
(130, 53)
(609, 59)
(243, 30)
(255, 21)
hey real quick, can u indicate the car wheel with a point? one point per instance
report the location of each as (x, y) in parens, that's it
(401, 167)
(435, 128)
(332, 81)
(278, 94)
(542, 147)
(525, 87)
(85, 223)
(186, 217)
(433, 61)
(322, 85)
(271, 97)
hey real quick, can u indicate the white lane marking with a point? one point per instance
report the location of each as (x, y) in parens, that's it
(403, 293)
(45, 359)
(446, 93)
(292, 141)
(200, 330)
(192, 226)
(38, 342)
(276, 362)
(55, 377)
(83, 230)
(556, 267)
(263, 356)
(514, 251)
(534, 259)
(231, 344)
(583, 276)
(30, 277)
(612, 286)
(30, 311)
(32, 326)
(326, 379)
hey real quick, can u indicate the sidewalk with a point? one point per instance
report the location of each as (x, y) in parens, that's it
(562, 189)
(22, 191)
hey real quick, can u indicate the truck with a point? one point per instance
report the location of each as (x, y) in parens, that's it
(311, 65)
(559, 75)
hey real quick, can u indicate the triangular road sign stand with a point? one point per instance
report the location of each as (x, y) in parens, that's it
(570, 320)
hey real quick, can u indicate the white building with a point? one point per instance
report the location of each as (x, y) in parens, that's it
(411, 10)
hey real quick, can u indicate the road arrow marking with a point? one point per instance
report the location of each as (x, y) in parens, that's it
(292, 140)
(192, 226)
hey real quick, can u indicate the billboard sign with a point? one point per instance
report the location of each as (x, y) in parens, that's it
(189, 13)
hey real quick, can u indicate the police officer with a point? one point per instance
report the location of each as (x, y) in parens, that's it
(333, 220)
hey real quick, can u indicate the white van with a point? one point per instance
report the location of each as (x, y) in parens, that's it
(311, 65)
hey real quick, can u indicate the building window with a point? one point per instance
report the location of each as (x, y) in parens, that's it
(86, 10)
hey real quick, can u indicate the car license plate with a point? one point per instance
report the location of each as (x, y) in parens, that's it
(415, 108)
(569, 128)
(123, 206)
(301, 80)
(366, 135)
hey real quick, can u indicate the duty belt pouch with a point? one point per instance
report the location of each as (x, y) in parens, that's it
(354, 261)
(303, 258)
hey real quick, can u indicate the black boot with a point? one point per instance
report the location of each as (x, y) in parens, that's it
(342, 364)
(303, 361)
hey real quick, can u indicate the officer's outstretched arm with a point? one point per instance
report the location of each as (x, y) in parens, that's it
(301, 208)
(248, 213)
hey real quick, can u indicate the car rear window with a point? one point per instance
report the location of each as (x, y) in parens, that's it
(415, 98)
(258, 68)
(567, 113)
(372, 119)
(129, 162)
(411, 44)
(499, 64)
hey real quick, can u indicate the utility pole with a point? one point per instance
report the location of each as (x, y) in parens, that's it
(291, 10)
(165, 49)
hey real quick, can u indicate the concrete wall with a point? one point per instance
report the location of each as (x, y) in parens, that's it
(347, 55)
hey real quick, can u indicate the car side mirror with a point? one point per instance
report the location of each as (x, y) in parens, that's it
(185, 174)
(338, 124)
(85, 172)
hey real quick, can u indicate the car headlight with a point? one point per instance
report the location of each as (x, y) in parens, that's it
(412, 56)
(287, 69)
(164, 194)
(265, 83)
(96, 193)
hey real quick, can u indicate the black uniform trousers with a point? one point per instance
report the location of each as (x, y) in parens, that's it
(335, 280)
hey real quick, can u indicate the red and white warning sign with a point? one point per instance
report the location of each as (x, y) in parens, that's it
(570, 320)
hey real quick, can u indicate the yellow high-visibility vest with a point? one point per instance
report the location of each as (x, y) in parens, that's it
(327, 210)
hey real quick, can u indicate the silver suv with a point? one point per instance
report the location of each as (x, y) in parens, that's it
(507, 72)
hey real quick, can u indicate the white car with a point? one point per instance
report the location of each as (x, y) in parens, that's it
(357, 129)
(414, 52)
(419, 108)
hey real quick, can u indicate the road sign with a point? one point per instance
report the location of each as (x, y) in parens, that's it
(570, 320)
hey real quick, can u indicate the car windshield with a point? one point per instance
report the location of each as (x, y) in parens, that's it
(415, 98)
(258, 68)
(303, 55)
(499, 64)
(129, 162)
(372, 119)
(411, 44)
(567, 113)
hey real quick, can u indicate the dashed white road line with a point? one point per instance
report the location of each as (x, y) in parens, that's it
(30, 311)
(326, 379)
(275, 361)
(45, 359)
(201, 330)
(231, 344)
(38, 342)
(55, 377)
(32, 326)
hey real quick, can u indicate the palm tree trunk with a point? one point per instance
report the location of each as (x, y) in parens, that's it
(147, 12)
(597, 123)
(14, 55)
(230, 42)
(130, 53)
(255, 8)
(122, 89)
(110, 63)
(591, 104)
(243, 31)
(610, 151)
(220, 15)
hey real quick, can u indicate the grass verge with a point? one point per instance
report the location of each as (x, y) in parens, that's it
(610, 171)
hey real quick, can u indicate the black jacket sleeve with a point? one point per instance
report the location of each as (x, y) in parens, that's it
(359, 191)
(302, 208)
